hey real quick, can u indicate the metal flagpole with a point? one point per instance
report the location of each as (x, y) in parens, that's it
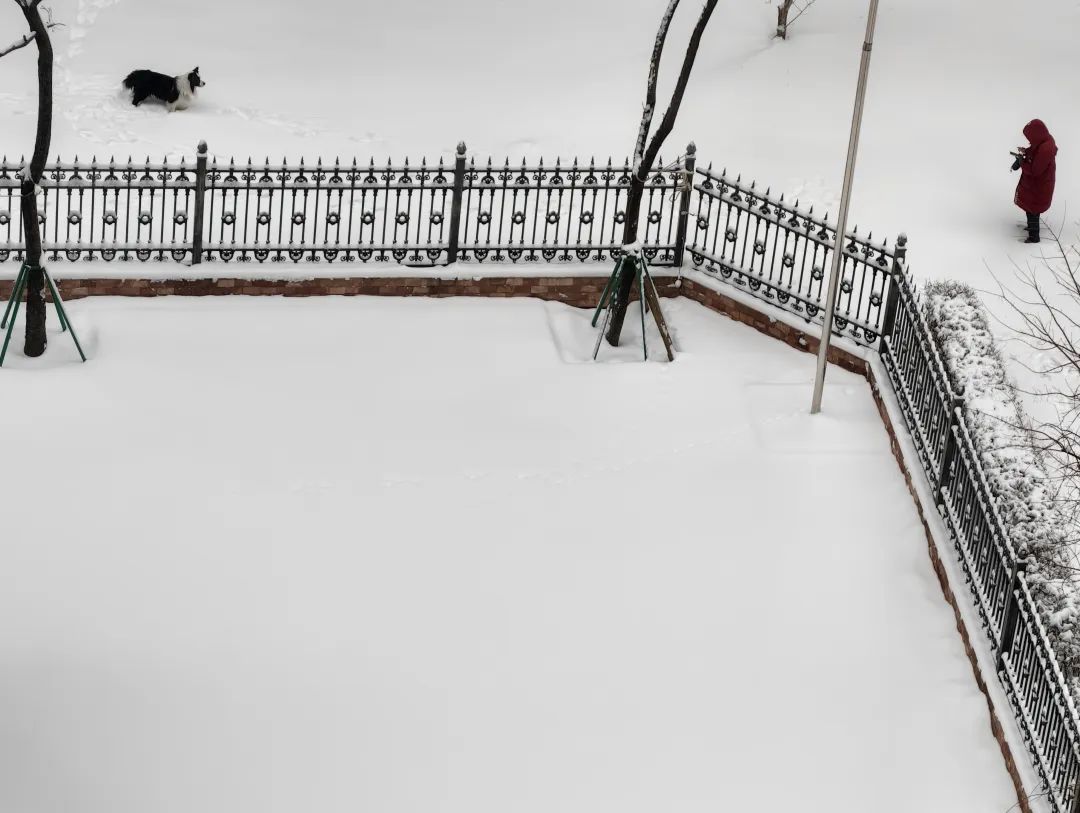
(845, 200)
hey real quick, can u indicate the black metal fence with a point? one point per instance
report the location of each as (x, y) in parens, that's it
(782, 254)
(431, 214)
(417, 214)
(1026, 663)
(435, 214)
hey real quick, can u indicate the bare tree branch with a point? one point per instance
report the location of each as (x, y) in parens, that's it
(26, 39)
(784, 18)
(645, 157)
(650, 88)
(22, 42)
(1044, 315)
(668, 122)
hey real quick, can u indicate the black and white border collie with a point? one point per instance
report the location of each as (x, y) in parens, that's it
(178, 92)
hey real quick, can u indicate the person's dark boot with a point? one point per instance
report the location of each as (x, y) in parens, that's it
(1032, 228)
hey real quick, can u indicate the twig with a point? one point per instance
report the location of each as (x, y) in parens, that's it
(26, 39)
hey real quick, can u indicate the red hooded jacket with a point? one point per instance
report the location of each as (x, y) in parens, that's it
(1036, 188)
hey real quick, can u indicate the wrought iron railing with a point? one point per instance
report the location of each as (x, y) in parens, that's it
(417, 214)
(431, 214)
(995, 573)
(563, 213)
(780, 253)
(105, 210)
(436, 214)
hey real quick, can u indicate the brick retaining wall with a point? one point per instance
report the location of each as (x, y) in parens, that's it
(577, 291)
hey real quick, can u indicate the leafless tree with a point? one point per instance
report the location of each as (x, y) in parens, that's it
(32, 173)
(784, 17)
(646, 150)
(1044, 314)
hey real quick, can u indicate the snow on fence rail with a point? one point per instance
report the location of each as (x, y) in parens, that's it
(780, 253)
(422, 214)
(436, 215)
(1026, 663)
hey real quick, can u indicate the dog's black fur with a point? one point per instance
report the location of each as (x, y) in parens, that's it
(145, 84)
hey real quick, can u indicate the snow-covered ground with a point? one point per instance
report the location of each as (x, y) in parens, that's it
(951, 86)
(409, 555)
(950, 89)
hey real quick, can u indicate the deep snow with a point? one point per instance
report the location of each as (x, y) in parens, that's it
(399, 555)
(950, 89)
(951, 86)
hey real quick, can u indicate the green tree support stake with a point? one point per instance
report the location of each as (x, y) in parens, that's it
(61, 312)
(13, 308)
(11, 313)
(608, 290)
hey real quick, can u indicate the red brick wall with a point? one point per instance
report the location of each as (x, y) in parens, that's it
(577, 291)
(581, 292)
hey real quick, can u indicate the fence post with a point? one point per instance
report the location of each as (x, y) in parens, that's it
(950, 445)
(200, 199)
(892, 301)
(455, 204)
(1012, 613)
(684, 203)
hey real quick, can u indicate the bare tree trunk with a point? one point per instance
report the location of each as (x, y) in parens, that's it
(645, 157)
(35, 289)
(782, 18)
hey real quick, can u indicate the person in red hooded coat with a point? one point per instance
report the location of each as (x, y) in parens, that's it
(1038, 169)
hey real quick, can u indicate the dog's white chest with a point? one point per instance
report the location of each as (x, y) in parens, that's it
(187, 95)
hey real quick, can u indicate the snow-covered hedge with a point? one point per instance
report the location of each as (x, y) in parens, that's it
(1014, 470)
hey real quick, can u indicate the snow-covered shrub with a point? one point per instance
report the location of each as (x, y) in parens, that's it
(1016, 472)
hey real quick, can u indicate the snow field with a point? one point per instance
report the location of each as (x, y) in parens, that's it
(950, 90)
(400, 555)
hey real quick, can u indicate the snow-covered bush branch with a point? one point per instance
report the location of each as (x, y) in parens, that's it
(1020, 476)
